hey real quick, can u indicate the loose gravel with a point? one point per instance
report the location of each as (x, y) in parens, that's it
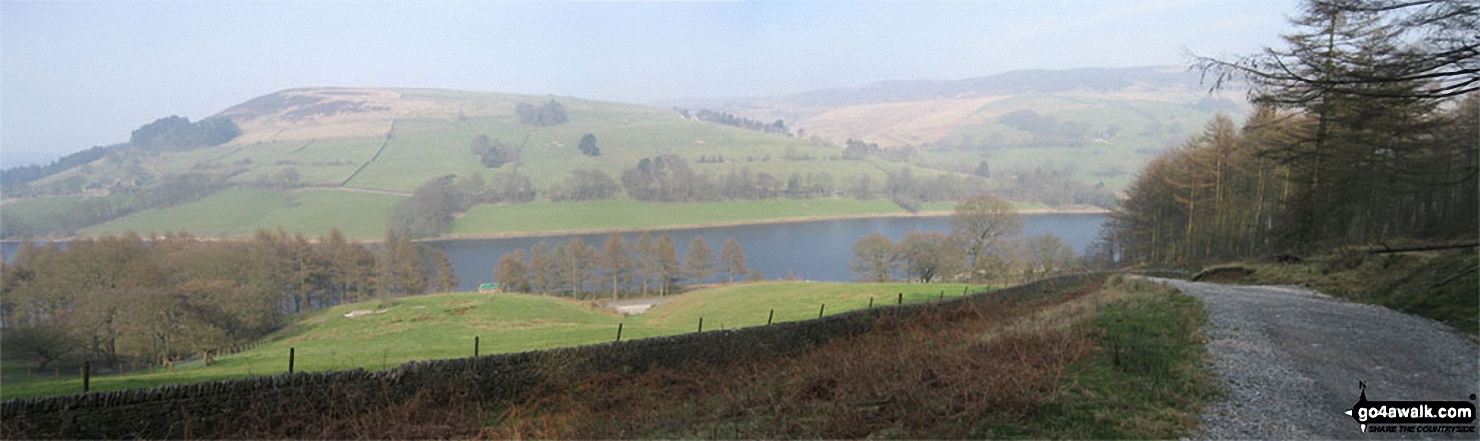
(1290, 360)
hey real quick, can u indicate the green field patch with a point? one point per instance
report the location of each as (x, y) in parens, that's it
(40, 209)
(239, 212)
(325, 162)
(627, 214)
(750, 304)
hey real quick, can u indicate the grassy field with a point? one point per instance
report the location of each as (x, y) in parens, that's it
(444, 325)
(625, 214)
(238, 212)
(750, 304)
(35, 214)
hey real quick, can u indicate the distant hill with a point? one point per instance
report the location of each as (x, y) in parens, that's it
(1099, 123)
(1037, 81)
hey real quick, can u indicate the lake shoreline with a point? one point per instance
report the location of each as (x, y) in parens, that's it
(772, 221)
(627, 230)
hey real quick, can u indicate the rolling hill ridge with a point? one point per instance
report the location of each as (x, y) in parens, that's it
(312, 159)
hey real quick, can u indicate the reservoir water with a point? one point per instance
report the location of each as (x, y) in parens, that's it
(818, 250)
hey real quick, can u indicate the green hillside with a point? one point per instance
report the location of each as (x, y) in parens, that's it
(306, 168)
(430, 139)
(1111, 121)
(388, 333)
(311, 159)
(1124, 133)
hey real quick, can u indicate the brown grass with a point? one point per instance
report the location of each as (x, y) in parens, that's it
(930, 376)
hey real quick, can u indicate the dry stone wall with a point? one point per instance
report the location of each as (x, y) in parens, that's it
(195, 410)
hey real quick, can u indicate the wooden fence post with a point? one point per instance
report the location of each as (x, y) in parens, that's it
(870, 303)
(701, 324)
(619, 332)
(770, 317)
(901, 299)
(475, 346)
(86, 376)
(819, 310)
(290, 359)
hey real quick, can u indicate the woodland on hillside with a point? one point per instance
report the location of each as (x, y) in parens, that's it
(123, 298)
(1367, 131)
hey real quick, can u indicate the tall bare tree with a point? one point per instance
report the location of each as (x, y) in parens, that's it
(699, 263)
(732, 259)
(874, 258)
(616, 260)
(978, 224)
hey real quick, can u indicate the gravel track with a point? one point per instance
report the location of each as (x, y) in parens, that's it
(1290, 358)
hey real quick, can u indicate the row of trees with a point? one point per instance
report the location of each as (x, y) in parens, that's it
(778, 127)
(647, 265)
(1367, 131)
(1055, 187)
(585, 185)
(669, 178)
(980, 248)
(124, 298)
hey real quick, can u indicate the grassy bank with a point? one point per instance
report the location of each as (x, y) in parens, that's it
(1145, 380)
(444, 325)
(1434, 284)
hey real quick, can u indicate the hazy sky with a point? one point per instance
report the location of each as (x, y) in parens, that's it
(77, 73)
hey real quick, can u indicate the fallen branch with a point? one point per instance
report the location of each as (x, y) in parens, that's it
(1385, 249)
